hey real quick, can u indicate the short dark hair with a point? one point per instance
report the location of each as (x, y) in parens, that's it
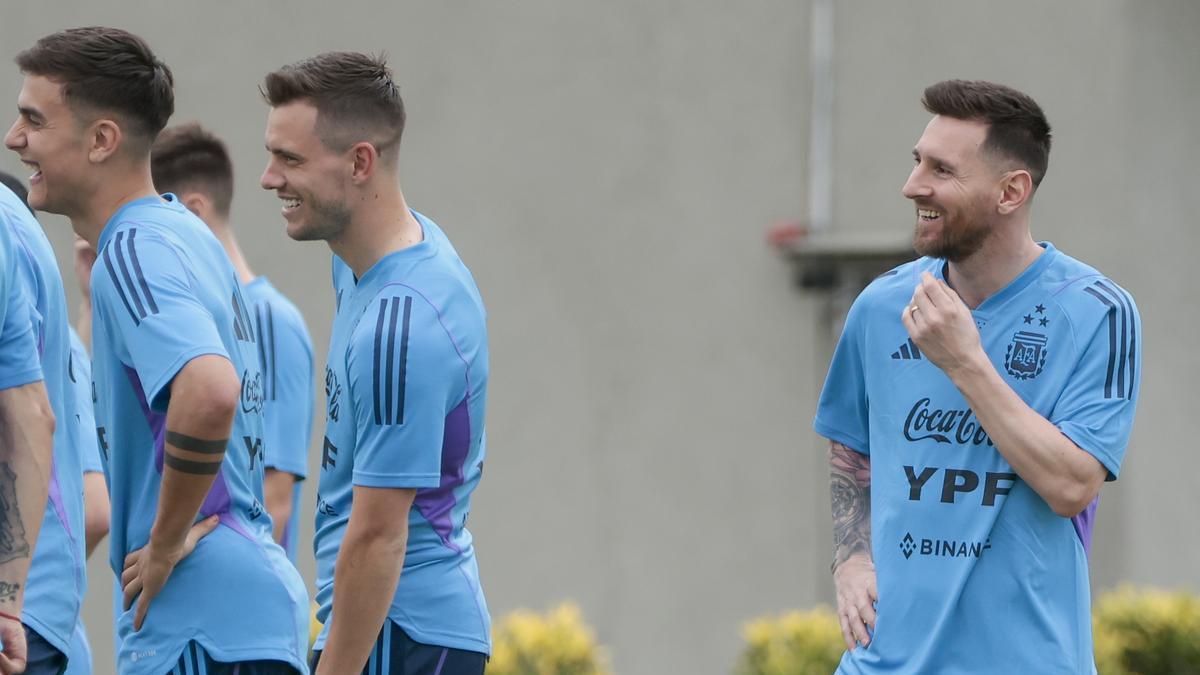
(188, 157)
(1017, 128)
(13, 183)
(106, 69)
(354, 94)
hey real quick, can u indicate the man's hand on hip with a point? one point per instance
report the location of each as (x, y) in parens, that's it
(854, 581)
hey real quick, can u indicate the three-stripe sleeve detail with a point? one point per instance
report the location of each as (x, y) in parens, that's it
(127, 277)
(391, 360)
(1122, 339)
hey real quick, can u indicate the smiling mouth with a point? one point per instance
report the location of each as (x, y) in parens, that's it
(37, 170)
(928, 215)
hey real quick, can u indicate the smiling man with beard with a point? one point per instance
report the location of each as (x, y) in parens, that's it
(397, 582)
(978, 399)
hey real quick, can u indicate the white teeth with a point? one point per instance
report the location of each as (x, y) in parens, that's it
(926, 213)
(291, 203)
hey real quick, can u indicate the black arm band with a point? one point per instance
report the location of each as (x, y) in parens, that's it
(193, 444)
(187, 466)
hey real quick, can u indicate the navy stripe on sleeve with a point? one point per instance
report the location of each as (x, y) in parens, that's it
(137, 301)
(262, 349)
(137, 268)
(1112, 339)
(391, 359)
(112, 273)
(377, 362)
(1128, 331)
(403, 358)
(1122, 339)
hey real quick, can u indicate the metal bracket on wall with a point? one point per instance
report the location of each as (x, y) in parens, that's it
(827, 260)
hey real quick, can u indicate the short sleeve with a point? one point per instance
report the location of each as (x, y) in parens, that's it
(1096, 408)
(288, 369)
(843, 406)
(405, 377)
(146, 290)
(19, 362)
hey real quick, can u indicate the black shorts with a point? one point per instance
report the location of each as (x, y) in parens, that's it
(395, 653)
(42, 658)
(195, 661)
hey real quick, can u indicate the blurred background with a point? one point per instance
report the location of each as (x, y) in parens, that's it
(610, 172)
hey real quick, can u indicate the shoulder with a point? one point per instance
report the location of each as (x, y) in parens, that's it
(1086, 295)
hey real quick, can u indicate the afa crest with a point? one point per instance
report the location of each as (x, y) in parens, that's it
(1026, 355)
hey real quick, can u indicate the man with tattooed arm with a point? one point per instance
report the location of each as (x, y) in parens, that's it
(26, 445)
(978, 399)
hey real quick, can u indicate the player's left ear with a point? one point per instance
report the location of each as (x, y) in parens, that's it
(104, 138)
(365, 160)
(1016, 187)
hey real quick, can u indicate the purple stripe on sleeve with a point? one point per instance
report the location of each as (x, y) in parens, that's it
(437, 504)
(1084, 522)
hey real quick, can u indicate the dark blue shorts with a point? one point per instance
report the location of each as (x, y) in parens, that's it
(42, 657)
(395, 653)
(195, 661)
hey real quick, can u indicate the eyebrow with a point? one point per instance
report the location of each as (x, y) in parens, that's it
(280, 152)
(30, 112)
(934, 159)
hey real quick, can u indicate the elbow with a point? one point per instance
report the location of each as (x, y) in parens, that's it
(1072, 499)
(95, 525)
(220, 403)
(212, 391)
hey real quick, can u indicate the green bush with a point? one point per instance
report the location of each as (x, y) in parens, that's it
(555, 643)
(1136, 632)
(797, 643)
(1147, 632)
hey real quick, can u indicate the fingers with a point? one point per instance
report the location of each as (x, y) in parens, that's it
(11, 665)
(846, 636)
(858, 626)
(201, 530)
(908, 318)
(143, 605)
(132, 588)
(13, 658)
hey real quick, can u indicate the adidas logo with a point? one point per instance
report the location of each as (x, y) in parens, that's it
(907, 351)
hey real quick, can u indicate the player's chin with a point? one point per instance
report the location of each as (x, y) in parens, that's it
(298, 231)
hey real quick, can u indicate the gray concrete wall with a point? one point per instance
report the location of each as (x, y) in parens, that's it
(608, 171)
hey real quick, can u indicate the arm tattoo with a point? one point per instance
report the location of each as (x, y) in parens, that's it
(850, 487)
(13, 544)
(8, 592)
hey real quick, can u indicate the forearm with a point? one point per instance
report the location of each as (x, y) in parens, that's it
(850, 490)
(199, 419)
(364, 581)
(1064, 475)
(26, 450)
(277, 493)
